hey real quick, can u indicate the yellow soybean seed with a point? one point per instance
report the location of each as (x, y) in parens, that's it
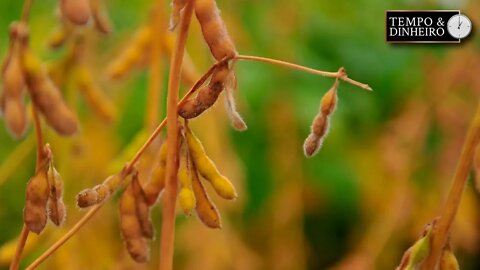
(186, 196)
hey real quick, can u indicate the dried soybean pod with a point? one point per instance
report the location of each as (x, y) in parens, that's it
(132, 55)
(206, 95)
(55, 205)
(95, 97)
(13, 77)
(157, 182)
(131, 228)
(47, 97)
(206, 210)
(77, 11)
(16, 120)
(100, 17)
(207, 168)
(186, 197)
(319, 129)
(214, 29)
(177, 7)
(321, 123)
(142, 208)
(37, 194)
(99, 193)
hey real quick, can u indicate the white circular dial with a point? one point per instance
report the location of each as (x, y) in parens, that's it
(459, 26)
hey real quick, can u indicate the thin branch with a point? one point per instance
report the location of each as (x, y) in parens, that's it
(442, 230)
(27, 5)
(64, 238)
(22, 240)
(168, 221)
(39, 137)
(302, 68)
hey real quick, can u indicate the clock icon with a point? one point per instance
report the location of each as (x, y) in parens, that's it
(459, 26)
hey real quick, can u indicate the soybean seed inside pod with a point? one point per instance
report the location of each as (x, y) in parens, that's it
(214, 29)
(207, 95)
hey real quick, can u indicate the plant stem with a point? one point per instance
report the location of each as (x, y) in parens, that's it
(303, 68)
(40, 157)
(169, 203)
(155, 79)
(39, 137)
(27, 5)
(20, 246)
(442, 230)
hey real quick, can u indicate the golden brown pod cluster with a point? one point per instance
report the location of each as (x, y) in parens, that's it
(195, 162)
(13, 77)
(79, 12)
(135, 223)
(321, 121)
(44, 196)
(23, 67)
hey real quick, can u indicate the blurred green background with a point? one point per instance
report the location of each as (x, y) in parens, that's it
(381, 175)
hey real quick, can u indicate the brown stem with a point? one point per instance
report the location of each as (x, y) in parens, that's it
(39, 137)
(40, 158)
(155, 78)
(442, 229)
(20, 246)
(168, 221)
(303, 68)
(27, 5)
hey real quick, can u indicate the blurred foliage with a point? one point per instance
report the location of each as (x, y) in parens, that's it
(323, 210)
